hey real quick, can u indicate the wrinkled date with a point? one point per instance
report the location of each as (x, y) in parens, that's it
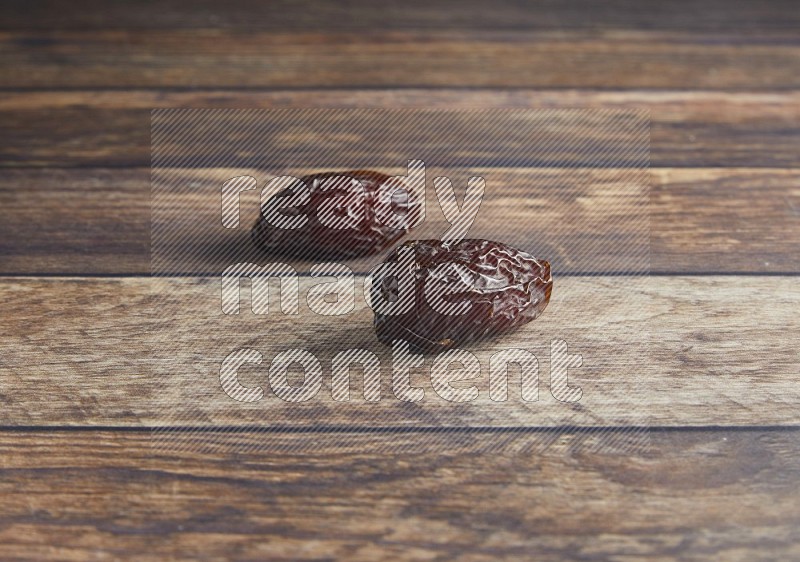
(337, 214)
(462, 292)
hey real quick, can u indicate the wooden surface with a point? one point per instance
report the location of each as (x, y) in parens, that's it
(483, 58)
(714, 358)
(697, 495)
(97, 220)
(714, 478)
(110, 128)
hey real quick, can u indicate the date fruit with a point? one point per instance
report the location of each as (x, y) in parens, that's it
(462, 292)
(337, 215)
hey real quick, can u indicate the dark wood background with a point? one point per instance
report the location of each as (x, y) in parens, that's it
(79, 479)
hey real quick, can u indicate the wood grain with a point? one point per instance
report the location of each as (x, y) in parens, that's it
(678, 351)
(694, 495)
(88, 364)
(97, 221)
(112, 128)
(359, 15)
(582, 220)
(215, 58)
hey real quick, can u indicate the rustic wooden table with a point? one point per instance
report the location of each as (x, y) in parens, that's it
(78, 477)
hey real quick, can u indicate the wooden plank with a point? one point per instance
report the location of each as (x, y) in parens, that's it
(414, 14)
(699, 495)
(679, 351)
(94, 217)
(582, 220)
(124, 58)
(685, 203)
(112, 128)
(673, 106)
(97, 221)
(364, 138)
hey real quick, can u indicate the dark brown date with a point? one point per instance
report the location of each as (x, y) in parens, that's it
(495, 287)
(343, 215)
